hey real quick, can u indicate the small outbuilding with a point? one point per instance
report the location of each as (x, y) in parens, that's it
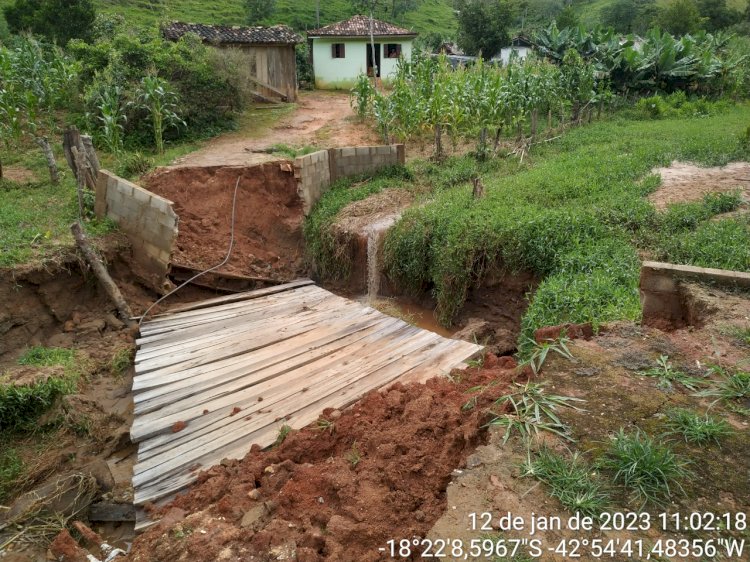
(270, 53)
(342, 51)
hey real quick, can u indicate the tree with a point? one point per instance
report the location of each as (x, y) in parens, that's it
(58, 20)
(681, 17)
(630, 16)
(259, 10)
(483, 26)
(567, 18)
(718, 15)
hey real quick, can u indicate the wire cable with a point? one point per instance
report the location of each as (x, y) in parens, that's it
(194, 277)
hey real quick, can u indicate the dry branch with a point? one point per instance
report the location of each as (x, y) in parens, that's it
(102, 274)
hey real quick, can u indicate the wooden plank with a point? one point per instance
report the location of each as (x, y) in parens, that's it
(212, 331)
(207, 313)
(400, 343)
(257, 368)
(441, 365)
(207, 422)
(350, 320)
(344, 395)
(147, 425)
(233, 346)
(238, 297)
(179, 325)
(218, 351)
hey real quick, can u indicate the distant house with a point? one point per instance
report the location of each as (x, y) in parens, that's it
(269, 50)
(341, 51)
(520, 46)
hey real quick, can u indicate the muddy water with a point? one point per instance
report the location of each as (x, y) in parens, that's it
(407, 310)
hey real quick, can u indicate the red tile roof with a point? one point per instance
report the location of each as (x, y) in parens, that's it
(359, 26)
(222, 34)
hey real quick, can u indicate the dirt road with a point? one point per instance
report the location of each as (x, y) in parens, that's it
(323, 119)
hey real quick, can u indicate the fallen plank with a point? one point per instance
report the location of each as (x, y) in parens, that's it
(111, 512)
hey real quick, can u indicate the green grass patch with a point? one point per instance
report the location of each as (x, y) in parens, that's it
(40, 356)
(576, 216)
(650, 472)
(11, 469)
(696, 428)
(571, 480)
(729, 386)
(290, 151)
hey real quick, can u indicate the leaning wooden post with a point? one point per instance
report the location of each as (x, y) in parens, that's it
(43, 143)
(79, 173)
(102, 275)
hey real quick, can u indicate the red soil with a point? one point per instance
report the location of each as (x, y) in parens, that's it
(268, 225)
(340, 490)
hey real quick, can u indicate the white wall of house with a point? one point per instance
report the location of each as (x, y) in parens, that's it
(506, 53)
(341, 73)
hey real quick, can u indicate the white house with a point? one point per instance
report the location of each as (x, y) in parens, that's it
(341, 51)
(520, 47)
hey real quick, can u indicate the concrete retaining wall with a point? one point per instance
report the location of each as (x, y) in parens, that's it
(662, 299)
(317, 171)
(149, 221)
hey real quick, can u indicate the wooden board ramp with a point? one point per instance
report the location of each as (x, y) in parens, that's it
(215, 377)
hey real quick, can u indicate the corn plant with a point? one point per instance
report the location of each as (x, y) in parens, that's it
(112, 117)
(157, 98)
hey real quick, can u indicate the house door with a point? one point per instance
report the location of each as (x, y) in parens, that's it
(369, 58)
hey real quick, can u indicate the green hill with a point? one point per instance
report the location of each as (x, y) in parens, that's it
(431, 15)
(591, 11)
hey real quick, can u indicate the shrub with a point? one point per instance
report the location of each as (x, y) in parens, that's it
(134, 164)
(696, 428)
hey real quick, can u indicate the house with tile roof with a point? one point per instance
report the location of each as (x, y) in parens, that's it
(342, 51)
(269, 53)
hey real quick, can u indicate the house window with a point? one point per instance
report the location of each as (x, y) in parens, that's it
(338, 50)
(392, 50)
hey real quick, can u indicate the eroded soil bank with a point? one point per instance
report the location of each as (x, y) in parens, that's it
(268, 219)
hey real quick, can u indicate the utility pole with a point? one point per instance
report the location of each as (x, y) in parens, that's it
(317, 12)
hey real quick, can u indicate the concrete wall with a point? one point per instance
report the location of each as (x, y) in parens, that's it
(662, 299)
(149, 221)
(317, 171)
(342, 73)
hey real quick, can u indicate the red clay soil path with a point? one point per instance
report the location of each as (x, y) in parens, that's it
(324, 119)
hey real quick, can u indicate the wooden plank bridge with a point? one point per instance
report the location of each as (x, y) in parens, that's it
(215, 377)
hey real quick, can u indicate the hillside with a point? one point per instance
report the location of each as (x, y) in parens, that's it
(431, 16)
(590, 11)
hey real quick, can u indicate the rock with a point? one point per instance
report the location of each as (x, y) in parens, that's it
(114, 322)
(99, 470)
(76, 317)
(587, 372)
(286, 551)
(97, 325)
(65, 549)
(69, 326)
(335, 414)
(473, 461)
(254, 518)
(476, 330)
(61, 340)
(254, 494)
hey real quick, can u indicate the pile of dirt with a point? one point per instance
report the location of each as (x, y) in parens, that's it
(268, 225)
(683, 182)
(339, 489)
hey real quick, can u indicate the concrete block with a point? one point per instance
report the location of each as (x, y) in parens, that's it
(348, 152)
(658, 283)
(383, 150)
(160, 204)
(141, 195)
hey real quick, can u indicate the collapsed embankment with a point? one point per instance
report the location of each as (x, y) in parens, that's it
(268, 218)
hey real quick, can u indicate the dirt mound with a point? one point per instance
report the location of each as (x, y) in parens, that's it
(339, 489)
(682, 182)
(268, 226)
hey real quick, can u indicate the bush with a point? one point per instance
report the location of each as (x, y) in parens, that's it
(134, 164)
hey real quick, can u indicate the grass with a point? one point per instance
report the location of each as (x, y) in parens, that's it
(650, 472)
(21, 405)
(430, 16)
(696, 428)
(540, 351)
(532, 410)
(667, 375)
(11, 468)
(121, 360)
(729, 386)
(353, 455)
(576, 216)
(291, 152)
(571, 480)
(284, 432)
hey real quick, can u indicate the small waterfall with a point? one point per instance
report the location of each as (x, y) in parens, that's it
(375, 233)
